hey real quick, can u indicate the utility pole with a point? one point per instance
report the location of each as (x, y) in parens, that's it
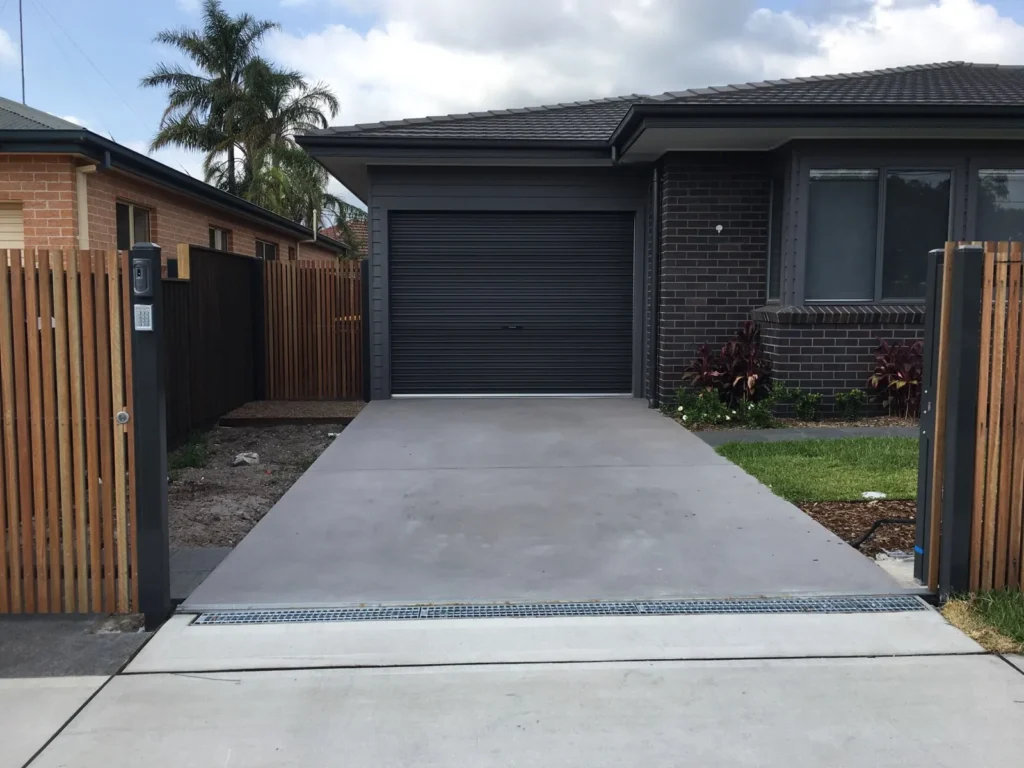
(21, 46)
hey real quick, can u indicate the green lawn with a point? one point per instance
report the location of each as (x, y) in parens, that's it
(1002, 610)
(831, 470)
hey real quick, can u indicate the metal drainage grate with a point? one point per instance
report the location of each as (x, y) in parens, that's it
(818, 605)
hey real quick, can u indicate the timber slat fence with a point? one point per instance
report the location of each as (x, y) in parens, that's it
(996, 521)
(313, 324)
(66, 466)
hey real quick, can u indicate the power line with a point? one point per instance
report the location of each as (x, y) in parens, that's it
(93, 65)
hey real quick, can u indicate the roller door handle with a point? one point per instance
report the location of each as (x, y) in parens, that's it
(512, 327)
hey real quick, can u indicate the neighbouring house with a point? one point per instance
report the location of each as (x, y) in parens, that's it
(591, 247)
(355, 238)
(63, 186)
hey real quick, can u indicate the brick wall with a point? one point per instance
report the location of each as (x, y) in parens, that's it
(176, 218)
(45, 186)
(831, 349)
(709, 281)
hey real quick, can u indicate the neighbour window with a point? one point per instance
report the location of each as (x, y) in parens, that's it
(853, 237)
(265, 250)
(132, 225)
(219, 239)
(291, 253)
(775, 242)
(1000, 204)
(12, 226)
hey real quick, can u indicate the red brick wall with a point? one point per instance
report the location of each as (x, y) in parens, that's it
(176, 218)
(45, 186)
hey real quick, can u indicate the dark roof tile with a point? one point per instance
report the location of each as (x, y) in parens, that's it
(947, 84)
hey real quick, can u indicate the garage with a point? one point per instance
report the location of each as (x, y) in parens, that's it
(511, 302)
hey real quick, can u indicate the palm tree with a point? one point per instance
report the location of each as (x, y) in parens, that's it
(204, 110)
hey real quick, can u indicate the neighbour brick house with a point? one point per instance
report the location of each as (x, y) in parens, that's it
(591, 247)
(64, 187)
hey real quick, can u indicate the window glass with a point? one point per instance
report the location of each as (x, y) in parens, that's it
(265, 250)
(775, 242)
(842, 234)
(219, 239)
(140, 219)
(1000, 204)
(916, 221)
(124, 227)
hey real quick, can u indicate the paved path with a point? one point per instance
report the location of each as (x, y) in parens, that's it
(448, 500)
(720, 437)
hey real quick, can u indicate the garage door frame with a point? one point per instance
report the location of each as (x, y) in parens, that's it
(621, 193)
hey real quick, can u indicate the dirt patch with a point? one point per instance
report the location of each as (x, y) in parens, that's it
(960, 614)
(850, 520)
(297, 409)
(216, 504)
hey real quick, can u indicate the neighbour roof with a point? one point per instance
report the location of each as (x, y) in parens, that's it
(950, 83)
(18, 117)
(356, 239)
(24, 129)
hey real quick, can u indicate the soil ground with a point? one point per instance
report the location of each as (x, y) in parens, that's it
(852, 519)
(216, 504)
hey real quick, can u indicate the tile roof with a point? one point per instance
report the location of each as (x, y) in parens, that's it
(950, 83)
(357, 239)
(15, 116)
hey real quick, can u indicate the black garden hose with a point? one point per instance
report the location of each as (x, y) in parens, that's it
(877, 524)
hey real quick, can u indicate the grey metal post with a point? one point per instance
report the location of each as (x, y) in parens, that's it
(933, 311)
(961, 419)
(154, 576)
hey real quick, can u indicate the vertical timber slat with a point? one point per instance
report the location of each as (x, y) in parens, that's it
(941, 384)
(981, 439)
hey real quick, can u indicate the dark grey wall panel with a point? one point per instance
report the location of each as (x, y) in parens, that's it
(511, 302)
(397, 189)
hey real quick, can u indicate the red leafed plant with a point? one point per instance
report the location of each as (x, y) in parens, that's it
(896, 379)
(739, 372)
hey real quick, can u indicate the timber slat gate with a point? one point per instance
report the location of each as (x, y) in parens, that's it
(314, 339)
(67, 467)
(971, 517)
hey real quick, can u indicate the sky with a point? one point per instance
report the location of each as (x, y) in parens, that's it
(389, 59)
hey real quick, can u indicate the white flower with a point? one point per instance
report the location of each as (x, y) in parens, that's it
(728, 417)
(750, 407)
(680, 409)
(734, 413)
(684, 417)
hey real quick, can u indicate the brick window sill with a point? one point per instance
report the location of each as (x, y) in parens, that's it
(840, 314)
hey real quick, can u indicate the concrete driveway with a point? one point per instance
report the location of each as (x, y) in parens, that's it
(527, 499)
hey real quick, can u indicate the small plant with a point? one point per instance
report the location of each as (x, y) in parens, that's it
(760, 415)
(702, 409)
(739, 372)
(896, 379)
(194, 453)
(808, 406)
(850, 404)
(780, 394)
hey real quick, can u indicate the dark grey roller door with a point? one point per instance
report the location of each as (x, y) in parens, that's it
(509, 303)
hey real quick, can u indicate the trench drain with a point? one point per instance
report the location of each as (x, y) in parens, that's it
(789, 605)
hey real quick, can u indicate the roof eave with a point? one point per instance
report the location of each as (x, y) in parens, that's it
(321, 141)
(633, 121)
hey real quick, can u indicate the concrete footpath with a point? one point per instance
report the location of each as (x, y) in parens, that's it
(879, 690)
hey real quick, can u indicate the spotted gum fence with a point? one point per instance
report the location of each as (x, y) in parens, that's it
(67, 466)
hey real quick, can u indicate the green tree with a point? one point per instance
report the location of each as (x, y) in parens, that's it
(204, 108)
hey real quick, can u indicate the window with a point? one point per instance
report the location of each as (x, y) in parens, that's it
(12, 226)
(291, 253)
(132, 225)
(265, 250)
(868, 241)
(220, 239)
(1000, 205)
(775, 241)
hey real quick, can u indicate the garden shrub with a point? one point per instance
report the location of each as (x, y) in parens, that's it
(896, 379)
(739, 372)
(850, 404)
(808, 406)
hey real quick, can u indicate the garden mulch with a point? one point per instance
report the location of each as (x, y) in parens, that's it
(270, 412)
(852, 519)
(785, 422)
(215, 505)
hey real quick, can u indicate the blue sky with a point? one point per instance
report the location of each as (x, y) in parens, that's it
(401, 58)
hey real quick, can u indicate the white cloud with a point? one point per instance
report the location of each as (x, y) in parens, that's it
(8, 48)
(422, 58)
(76, 121)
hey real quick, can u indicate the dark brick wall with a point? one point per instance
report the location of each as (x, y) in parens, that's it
(831, 349)
(709, 281)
